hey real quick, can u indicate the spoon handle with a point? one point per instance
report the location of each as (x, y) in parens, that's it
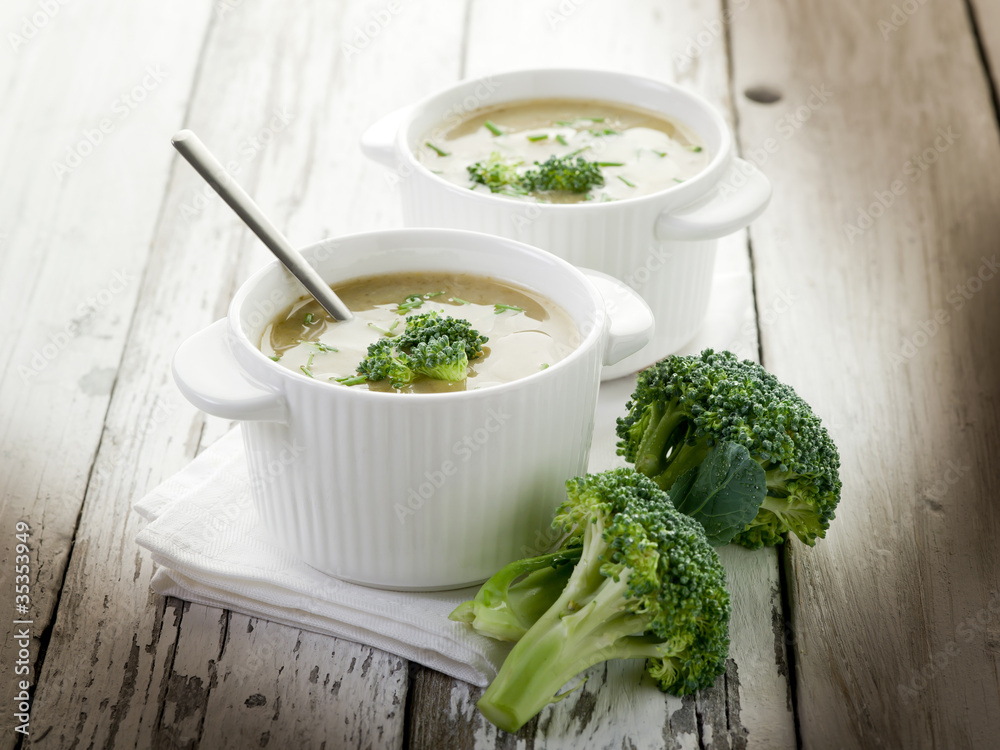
(198, 155)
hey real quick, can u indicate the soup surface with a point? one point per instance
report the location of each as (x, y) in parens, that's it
(526, 332)
(638, 152)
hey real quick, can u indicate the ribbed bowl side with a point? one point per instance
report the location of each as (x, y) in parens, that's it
(423, 493)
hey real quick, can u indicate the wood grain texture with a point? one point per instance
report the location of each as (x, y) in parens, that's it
(75, 141)
(893, 340)
(985, 18)
(269, 97)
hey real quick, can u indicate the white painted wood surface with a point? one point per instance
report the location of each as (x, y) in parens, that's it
(895, 615)
(156, 672)
(73, 248)
(893, 630)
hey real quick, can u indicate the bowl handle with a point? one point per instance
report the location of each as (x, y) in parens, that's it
(630, 321)
(737, 199)
(378, 142)
(209, 376)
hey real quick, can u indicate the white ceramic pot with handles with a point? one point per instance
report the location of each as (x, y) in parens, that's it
(662, 244)
(412, 491)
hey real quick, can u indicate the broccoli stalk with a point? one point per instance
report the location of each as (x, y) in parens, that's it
(683, 406)
(668, 448)
(647, 585)
(518, 594)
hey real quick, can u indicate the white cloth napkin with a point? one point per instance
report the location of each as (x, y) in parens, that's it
(203, 535)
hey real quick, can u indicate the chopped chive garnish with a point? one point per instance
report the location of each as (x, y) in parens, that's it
(630, 184)
(459, 301)
(307, 367)
(390, 331)
(544, 366)
(562, 139)
(597, 119)
(661, 154)
(323, 347)
(276, 359)
(432, 294)
(579, 150)
(410, 303)
(541, 137)
(604, 131)
(492, 127)
(565, 123)
(498, 308)
(610, 163)
(678, 179)
(351, 380)
(696, 149)
(309, 319)
(436, 150)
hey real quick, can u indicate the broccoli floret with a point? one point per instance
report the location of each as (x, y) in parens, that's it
(684, 405)
(383, 362)
(497, 173)
(439, 359)
(500, 175)
(432, 346)
(563, 173)
(647, 585)
(425, 328)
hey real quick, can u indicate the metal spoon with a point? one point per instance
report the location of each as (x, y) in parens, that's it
(198, 155)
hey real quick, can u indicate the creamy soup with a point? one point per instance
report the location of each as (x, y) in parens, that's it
(526, 332)
(637, 152)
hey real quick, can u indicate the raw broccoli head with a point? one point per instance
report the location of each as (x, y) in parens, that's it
(684, 405)
(647, 585)
(674, 577)
(432, 345)
(563, 173)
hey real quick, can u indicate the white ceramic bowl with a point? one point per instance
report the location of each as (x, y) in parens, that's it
(414, 491)
(663, 244)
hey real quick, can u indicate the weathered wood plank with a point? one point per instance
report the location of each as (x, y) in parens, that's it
(177, 674)
(618, 707)
(265, 688)
(76, 142)
(985, 18)
(892, 339)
